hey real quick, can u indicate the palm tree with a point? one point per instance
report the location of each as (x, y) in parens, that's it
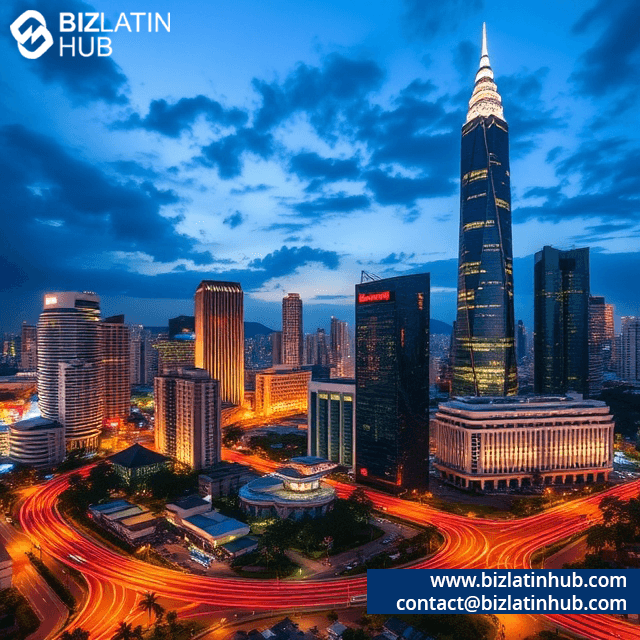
(76, 634)
(150, 604)
(126, 631)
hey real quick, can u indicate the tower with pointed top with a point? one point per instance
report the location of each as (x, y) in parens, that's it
(485, 359)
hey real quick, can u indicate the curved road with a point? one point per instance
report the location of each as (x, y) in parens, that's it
(115, 580)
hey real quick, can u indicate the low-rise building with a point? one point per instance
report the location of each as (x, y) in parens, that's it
(6, 568)
(186, 507)
(37, 442)
(223, 479)
(132, 523)
(240, 546)
(485, 443)
(136, 463)
(212, 529)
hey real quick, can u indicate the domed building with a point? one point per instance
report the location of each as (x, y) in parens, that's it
(295, 491)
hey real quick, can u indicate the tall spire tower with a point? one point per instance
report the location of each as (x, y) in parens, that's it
(485, 362)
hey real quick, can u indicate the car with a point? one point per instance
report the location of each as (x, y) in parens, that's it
(386, 540)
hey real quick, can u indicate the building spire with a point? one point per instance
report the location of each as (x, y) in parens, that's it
(485, 99)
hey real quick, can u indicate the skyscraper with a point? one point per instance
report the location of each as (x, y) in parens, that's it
(29, 348)
(392, 382)
(188, 417)
(630, 349)
(485, 359)
(142, 356)
(70, 371)
(342, 362)
(521, 341)
(610, 355)
(116, 360)
(219, 310)
(292, 336)
(561, 321)
(597, 341)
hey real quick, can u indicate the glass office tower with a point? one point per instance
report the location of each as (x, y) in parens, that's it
(561, 321)
(485, 359)
(392, 382)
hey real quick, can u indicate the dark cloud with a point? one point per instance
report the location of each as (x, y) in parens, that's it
(326, 205)
(133, 168)
(234, 220)
(312, 165)
(59, 208)
(465, 59)
(287, 260)
(226, 154)
(394, 258)
(423, 19)
(335, 297)
(611, 64)
(285, 226)
(396, 189)
(86, 80)
(173, 119)
(258, 188)
(324, 93)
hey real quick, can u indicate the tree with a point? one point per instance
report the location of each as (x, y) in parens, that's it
(76, 634)
(150, 604)
(360, 505)
(126, 631)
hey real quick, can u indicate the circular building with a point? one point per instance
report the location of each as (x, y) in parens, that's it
(295, 491)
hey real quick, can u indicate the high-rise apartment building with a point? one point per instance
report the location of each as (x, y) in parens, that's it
(143, 358)
(342, 361)
(276, 347)
(597, 342)
(70, 368)
(292, 336)
(29, 348)
(485, 359)
(116, 361)
(219, 309)
(561, 321)
(392, 382)
(610, 355)
(521, 341)
(188, 417)
(630, 349)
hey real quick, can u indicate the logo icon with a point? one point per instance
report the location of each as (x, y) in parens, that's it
(29, 34)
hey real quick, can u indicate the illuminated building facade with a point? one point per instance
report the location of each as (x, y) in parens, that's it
(630, 349)
(37, 442)
(143, 363)
(219, 308)
(392, 382)
(485, 359)
(116, 360)
(561, 321)
(29, 348)
(188, 417)
(276, 347)
(610, 355)
(342, 361)
(499, 443)
(292, 336)
(175, 354)
(281, 390)
(331, 421)
(70, 371)
(597, 342)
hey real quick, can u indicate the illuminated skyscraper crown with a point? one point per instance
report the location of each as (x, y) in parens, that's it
(485, 99)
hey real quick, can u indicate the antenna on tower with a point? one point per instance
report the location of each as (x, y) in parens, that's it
(365, 276)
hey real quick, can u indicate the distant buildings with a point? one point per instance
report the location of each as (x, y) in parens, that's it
(116, 360)
(392, 382)
(70, 368)
(597, 344)
(630, 349)
(561, 321)
(342, 360)
(188, 418)
(331, 430)
(219, 313)
(292, 335)
(521, 342)
(143, 358)
(485, 359)
(281, 390)
(29, 348)
(37, 442)
(182, 328)
(500, 443)
(295, 491)
(276, 347)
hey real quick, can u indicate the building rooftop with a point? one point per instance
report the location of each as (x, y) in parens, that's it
(189, 502)
(239, 544)
(137, 456)
(223, 469)
(4, 554)
(308, 460)
(35, 424)
(520, 403)
(111, 507)
(216, 526)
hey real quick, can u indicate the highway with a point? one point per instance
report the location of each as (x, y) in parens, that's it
(115, 581)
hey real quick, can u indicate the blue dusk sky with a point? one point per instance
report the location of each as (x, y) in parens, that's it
(291, 145)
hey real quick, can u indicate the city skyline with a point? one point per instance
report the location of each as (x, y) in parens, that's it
(284, 178)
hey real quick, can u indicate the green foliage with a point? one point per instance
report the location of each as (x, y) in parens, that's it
(232, 435)
(76, 634)
(97, 487)
(75, 459)
(279, 447)
(355, 634)
(126, 631)
(52, 580)
(621, 524)
(446, 626)
(170, 628)
(149, 603)
(168, 484)
(332, 615)
(12, 601)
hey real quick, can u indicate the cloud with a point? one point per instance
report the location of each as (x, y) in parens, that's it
(286, 260)
(611, 64)
(312, 165)
(396, 189)
(424, 20)
(394, 258)
(86, 80)
(58, 208)
(340, 85)
(234, 220)
(340, 203)
(465, 57)
(258, 188)
(173, 119)
(226, 154)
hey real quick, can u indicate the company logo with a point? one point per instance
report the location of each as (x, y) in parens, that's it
(29, 34)
(381, 296)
